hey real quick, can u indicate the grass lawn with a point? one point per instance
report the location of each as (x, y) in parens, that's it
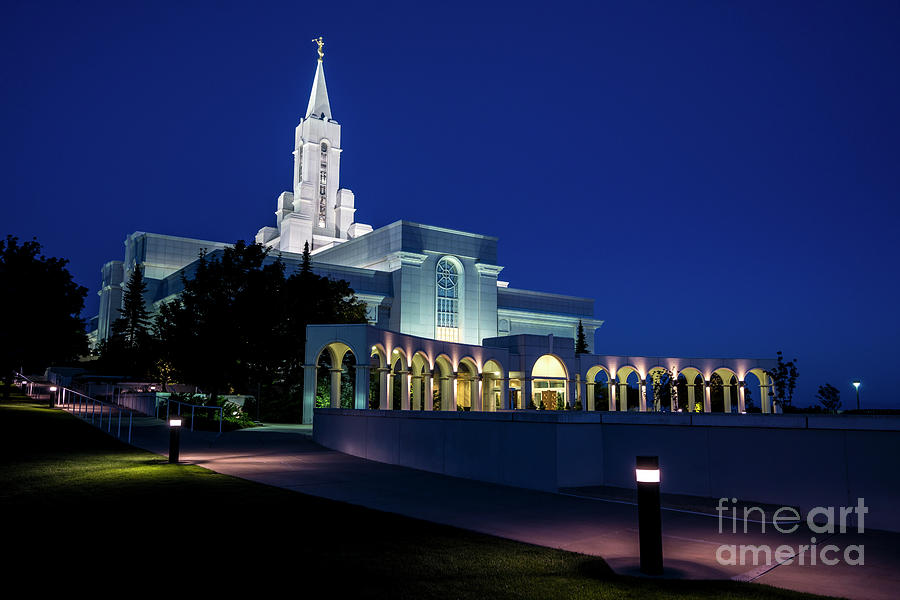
(86, 511)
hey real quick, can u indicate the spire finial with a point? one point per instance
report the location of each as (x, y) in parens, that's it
(320, 43)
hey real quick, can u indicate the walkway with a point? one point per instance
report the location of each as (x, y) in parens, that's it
(287, 457)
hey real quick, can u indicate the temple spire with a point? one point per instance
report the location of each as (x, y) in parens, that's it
(318, 97)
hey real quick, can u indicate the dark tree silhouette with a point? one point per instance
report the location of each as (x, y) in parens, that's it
(40, 308)
(581, 346)
(829, 397)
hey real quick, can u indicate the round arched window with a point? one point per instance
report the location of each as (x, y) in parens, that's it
(447, 301)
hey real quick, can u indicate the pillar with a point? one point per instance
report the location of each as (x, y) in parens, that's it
(742, 403)
(692, 401)
(765, 399)
(448, 400)
(429, 392)
(504, 393)
(404, 389)
(727, 389)
(335, 388)
(707, 396)
(361, 400)
(611, 393)
(309, 393)
(623, 396)
(590, 396)
(383, 387)
(417, 392)
(526, 392)
(476, 401)
(642, 394)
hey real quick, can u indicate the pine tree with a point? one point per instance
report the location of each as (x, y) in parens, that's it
(581, 346)
(134, 320)
(306, 265)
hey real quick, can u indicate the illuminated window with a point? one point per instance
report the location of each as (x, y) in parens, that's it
(447, 315)
(300, 165)
(323, 178)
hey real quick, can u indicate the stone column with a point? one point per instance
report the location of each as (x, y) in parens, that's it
(623, 396)
(707, 396)
(611, 394)
(309, 393)
(417, 392)
(361, 402)
(727, 388)
(390, 389)
(590, 396)
(475, 398)
(742, 403)
(526, 392)
(383, 387)
(429, 392)
(504, 393)
(691, 397)
(764, 398)
(448, 400)
(642, 394)
(335, 388)
(404, 389)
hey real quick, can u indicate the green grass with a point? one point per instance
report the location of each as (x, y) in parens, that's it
(83, 508)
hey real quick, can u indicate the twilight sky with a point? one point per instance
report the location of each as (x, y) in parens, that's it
(723, 177)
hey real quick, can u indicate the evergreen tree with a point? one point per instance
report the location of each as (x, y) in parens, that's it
(40, 310)
(134, 319)
(306, 265)
(581, 346)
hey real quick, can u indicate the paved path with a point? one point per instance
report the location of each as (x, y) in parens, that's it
(287, 457)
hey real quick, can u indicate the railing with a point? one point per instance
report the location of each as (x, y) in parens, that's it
(83, 406)
(193, 407)
(78, 402)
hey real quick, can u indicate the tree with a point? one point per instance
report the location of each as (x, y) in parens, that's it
(663, 386)
(829, 397)
(784, 379)
(581, 346)
(130, 349)
(240, 323)
(40, 308)
(134, 319)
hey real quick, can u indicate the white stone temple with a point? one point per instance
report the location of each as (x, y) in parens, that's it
(435, 287)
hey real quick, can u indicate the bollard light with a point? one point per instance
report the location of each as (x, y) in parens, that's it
(174, 438)
(649, 519)
(53, 389)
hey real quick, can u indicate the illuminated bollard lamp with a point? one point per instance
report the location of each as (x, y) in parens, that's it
(53, 389)
(649, 519)
(174, 438)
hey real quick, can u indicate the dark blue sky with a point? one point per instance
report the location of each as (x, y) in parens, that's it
(722, 177)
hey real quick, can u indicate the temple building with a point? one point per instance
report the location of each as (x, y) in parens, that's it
(437, 289)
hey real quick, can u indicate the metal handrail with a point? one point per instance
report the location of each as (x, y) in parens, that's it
(76, 403)
(221, 410)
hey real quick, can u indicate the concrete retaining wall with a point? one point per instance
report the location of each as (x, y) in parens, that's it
(796, 460)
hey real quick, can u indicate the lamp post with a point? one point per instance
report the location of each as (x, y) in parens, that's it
(53, 389)
(174, 438)
(856, 384)
(649, 519)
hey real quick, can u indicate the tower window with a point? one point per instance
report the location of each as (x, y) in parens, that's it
(324, 147)
(447, 301)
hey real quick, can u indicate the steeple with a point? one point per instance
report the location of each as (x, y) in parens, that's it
(318, 97)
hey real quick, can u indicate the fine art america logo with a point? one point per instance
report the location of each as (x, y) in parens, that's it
(822, 521)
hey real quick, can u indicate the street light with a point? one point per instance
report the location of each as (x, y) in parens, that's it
(174, 438)
(53, 389)
(856, 384)
(649, 518)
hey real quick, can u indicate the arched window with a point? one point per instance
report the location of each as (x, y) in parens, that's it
(447, 291)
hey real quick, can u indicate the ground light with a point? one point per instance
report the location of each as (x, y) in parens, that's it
(53, 389)
(174, 439)
(649, 519)
(856, 384)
